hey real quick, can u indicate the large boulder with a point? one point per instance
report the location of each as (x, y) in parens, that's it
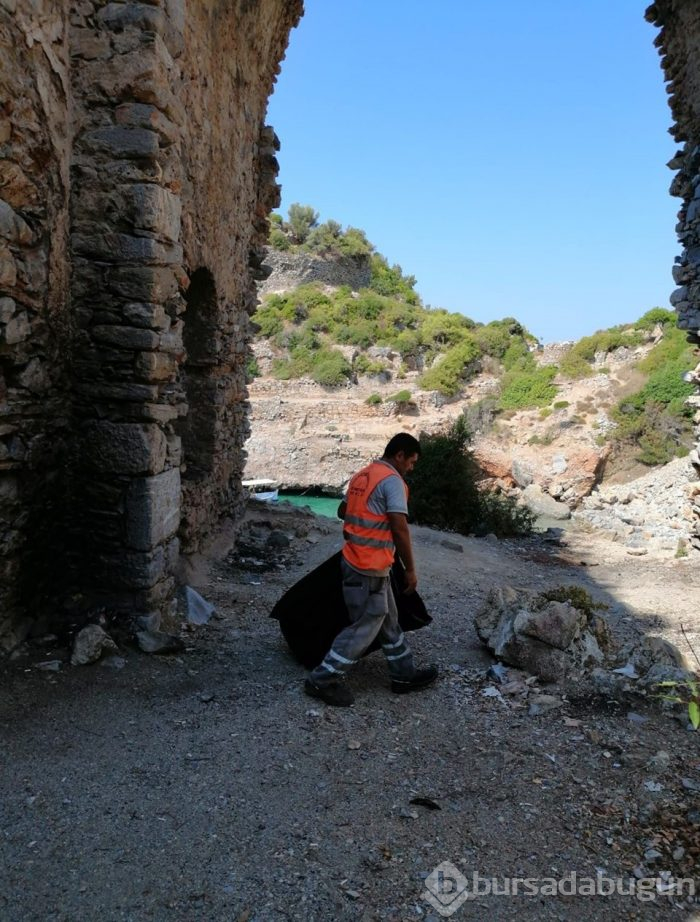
(543, 504)
(548, 638)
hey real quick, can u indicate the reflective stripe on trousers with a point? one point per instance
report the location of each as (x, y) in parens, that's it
(372, 611)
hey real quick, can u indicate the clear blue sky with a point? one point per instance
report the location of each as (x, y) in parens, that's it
(510, 155)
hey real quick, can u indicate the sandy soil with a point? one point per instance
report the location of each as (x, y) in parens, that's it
(207, 786)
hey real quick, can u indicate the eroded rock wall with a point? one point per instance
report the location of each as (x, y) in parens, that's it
(289, 270)
(678, 41)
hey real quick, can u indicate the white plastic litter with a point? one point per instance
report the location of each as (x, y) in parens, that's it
(199, 611)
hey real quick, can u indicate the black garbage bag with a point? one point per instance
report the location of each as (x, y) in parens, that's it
(312, 613)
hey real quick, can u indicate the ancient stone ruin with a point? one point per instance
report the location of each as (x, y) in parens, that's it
(136, 176)
(679, 44)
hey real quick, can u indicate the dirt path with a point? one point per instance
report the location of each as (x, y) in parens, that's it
(206, 786)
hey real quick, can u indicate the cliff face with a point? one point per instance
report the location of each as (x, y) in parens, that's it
(289, 270)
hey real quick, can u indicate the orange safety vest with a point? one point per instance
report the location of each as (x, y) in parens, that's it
(369, 544)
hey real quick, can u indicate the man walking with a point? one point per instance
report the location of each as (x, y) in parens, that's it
(375, 526)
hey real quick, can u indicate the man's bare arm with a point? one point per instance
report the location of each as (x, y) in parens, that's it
(402, 539)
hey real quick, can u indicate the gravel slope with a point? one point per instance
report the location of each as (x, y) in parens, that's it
(206, 786)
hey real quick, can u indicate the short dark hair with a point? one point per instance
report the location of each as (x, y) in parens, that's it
(404, 442)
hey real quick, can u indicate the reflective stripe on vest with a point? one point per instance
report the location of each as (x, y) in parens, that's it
(368, 541)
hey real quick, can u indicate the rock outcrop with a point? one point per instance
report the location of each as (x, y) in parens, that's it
(653, 512)
(288, 270)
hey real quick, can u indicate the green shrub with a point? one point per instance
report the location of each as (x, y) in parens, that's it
(560, 404)
(366, 366)
(529, 388)
(252, 369)
(444, 492)
(479, 416)
(302, 218)
(442, 328)
(574, 366)
(268, 320)
(278, 239)
(406, 343)
(517, 353)
(330, 368)
(577, 361)
(502, 516)
(545, 439)
(390, 281)
(450, 372)
(495, 338)
(655, 420)
(575, 596)
(655, 316)
(400, 397)
(374, 399)
(545, 412)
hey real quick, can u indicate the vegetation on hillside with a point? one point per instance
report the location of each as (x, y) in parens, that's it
(445, 493)
(308, 325)
(655, 421)
(301, 231)
(448, 345)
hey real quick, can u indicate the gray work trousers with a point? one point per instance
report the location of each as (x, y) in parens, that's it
(372, 610)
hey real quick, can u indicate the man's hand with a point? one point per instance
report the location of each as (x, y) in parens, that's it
(411, 582)
(402, 540)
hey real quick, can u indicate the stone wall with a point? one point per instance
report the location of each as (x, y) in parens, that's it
(34, 321)
(288, 270)
(135, 184)
(679, 44)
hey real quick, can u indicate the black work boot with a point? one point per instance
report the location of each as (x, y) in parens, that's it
(336, 694)
(418, 680)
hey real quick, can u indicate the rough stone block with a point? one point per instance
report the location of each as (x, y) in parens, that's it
(155, 366)
(125, 249)
(141, 115)
(557, 624)
(120, 16)
(152, 510)
(155, 209)
(89, 45)
(8, 268)
(35, 377)
(126, 337)
(134, 570)
(125, 448)
(150, 316)
(7, 309)
(144, 283)
(13, 227)
(17, 329)
(124, 142)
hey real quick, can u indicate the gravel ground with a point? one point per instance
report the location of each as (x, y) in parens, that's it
(207, 786)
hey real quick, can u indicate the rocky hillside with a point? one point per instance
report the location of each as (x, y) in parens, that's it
(549, 423)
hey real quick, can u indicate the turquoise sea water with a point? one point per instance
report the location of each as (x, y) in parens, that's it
(320, 505)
